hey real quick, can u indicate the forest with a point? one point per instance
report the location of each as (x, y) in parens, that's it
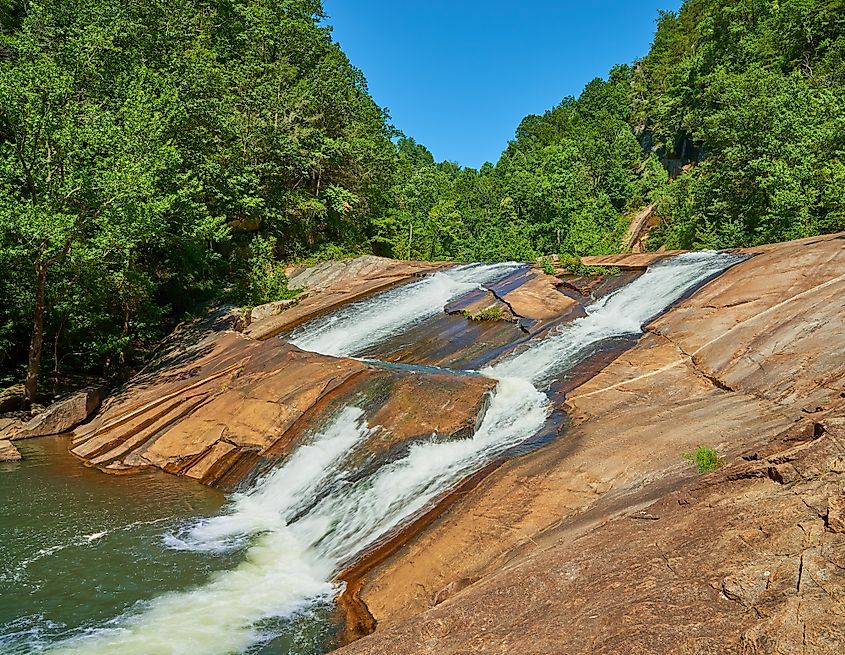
(158, 156)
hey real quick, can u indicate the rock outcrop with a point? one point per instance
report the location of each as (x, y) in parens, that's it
(604, 540)
(8, 451)
(332, 284)
(608, 532)
(220, 407)
(62, 416)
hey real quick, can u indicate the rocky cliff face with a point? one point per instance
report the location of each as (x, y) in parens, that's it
(605, 541)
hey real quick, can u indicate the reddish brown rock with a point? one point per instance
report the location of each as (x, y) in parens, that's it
(720, 566)
(225, 407)
(548, 535)
(628, 261)
(332, 284)
(539, 299)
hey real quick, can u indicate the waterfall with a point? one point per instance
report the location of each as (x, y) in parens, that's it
(293, 554)
(358, 326)
(621, 313)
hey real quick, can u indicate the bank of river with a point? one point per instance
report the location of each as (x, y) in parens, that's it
(79, 548)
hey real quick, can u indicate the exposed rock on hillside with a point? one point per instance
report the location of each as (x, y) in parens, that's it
(220, 407)
(567, 536)
(332, 284)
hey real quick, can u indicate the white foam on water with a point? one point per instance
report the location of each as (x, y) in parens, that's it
(621, 313)
(358, 326)
(305, 520)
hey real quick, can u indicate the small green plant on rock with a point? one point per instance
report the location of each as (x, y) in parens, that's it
(548, 267)
(706, 459)
(574, 265)
(488, 314)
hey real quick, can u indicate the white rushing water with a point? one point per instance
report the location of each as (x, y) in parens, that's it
(360, 325)
(622, 313)
(305, 520)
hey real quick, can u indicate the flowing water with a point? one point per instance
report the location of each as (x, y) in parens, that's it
(358, 326)
(305, 520)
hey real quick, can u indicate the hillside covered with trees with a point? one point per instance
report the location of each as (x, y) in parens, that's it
(156, 154)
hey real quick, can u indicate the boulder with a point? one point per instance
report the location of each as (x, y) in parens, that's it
(62, 416)
(8, 452)
(11, 399)
(539, 299)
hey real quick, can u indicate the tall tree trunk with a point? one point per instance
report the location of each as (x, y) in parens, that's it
(31, 385)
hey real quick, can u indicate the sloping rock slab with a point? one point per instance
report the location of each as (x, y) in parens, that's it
(63, 415)
(735, 563)
(229, 407)
(629, 261)
(333, 284)
(8, 452)
(728, 367)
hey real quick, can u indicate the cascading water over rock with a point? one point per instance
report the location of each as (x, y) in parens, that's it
(302, 522)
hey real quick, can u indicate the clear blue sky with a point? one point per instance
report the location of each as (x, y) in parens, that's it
(459, 75)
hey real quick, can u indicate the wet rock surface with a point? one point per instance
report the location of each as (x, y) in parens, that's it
(603, 540)
(608, 532)
(330, 285)
(220, 407)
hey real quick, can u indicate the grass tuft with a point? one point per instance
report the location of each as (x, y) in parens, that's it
(705, 459)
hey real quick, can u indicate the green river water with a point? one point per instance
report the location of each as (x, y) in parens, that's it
(79, 548)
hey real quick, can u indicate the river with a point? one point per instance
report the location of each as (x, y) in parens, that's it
(175, 573)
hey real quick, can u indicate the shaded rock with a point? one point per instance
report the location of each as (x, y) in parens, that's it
(62, 416)
(8, 451)
(11, 398)
(477, 307)
(271, 309)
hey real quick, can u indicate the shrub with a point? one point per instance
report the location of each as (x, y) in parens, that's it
(573, 264)
(548, 267)
(488, 314)
(263, 278)
(706, 459)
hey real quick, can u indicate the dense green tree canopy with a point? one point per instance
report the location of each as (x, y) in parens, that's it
(157, 153)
